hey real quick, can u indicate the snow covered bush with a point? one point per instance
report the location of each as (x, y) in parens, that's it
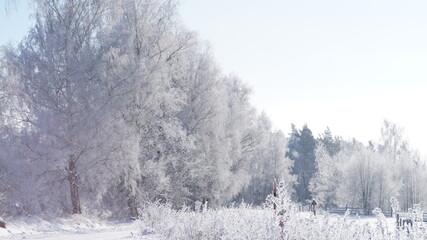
(283, 207)
(224, 223)
(159, 221)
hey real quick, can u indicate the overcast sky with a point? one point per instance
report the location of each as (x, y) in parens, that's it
(344, 64)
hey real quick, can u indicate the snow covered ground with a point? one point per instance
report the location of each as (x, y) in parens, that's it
(104, 235)
(66, 229)
(161, 222)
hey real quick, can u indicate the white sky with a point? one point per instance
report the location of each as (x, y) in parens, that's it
(338, 63)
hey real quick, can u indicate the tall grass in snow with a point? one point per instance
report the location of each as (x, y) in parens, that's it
(225, 223)
(243, 222)
(284, 222)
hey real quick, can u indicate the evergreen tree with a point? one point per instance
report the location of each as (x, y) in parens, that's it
(330, 143)
(301, 150)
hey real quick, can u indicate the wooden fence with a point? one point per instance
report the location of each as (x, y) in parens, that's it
(353, 211)
(362, 212)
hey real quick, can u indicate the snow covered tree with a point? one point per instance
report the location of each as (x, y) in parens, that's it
(386, 184)
(363, 176)
(57, 67)
(392, 140)
(368, 176)
(203, 115)
(281, 165)
(301, 150)
(412, 178)
(326, 180)
(148, 55)
(112, 103)
(403, 166)
(267, 163)
(331, 143)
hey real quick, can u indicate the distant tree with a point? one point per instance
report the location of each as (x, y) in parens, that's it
(368, 176)
(294, 143)
(266, 164)
(323, 185)
(392, 140)
(301, 150)
(329, 142)
(326, 180)
(404, 167)
(357, 185)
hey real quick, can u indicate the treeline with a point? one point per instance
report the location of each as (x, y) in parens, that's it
(338, 172)
(108, 104)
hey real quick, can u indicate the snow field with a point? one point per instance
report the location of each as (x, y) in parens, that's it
(76, 227)
(160, 222)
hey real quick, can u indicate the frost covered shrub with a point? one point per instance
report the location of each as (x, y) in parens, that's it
(225, 223)
(244, 222)
(284, 209)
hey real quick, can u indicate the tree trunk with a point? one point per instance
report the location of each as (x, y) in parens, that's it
(133, 208)
(72, 178)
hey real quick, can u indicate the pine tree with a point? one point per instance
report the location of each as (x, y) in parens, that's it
(301, 150)
(332, 144)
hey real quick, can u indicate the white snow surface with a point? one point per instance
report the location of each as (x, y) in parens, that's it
(164, 223)
(76, 227)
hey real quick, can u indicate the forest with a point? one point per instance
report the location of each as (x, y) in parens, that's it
(106, 105)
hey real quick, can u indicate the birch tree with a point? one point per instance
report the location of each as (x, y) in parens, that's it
(57, 69)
